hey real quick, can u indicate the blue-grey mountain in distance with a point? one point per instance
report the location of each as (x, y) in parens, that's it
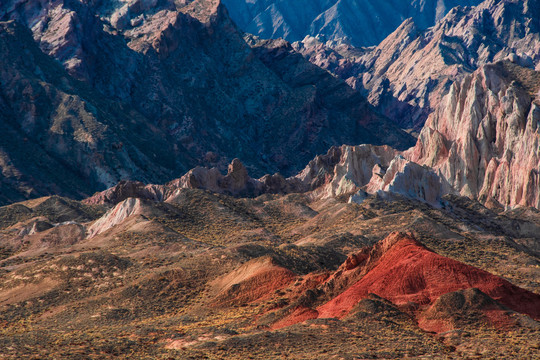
(360, 22)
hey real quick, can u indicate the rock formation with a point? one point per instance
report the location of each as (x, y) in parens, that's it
(116, 216)
(484, 140)
(344, 170)
(340, 172)
(236, 182)
(407, 178)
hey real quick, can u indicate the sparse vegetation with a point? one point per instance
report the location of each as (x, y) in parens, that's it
(147, 291)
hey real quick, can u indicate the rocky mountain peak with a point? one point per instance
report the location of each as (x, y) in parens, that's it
(406, 75)
(237, 169)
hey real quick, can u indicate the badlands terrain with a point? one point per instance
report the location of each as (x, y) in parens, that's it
(269, 179)
(180, 272)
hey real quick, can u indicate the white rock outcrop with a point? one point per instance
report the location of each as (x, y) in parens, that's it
(116, 216)
(484, 140)
(409, 179)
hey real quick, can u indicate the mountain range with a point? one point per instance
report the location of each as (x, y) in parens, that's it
(407, 74)
(180, 183)
(148, 101)
(356, 22)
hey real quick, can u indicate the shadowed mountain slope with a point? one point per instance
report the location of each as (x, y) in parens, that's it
(148, 99)
(358, 22)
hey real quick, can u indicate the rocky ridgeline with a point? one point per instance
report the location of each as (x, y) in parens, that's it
(483, 142)
(408, 73)
(358, 22)
(342, 171)
(352, 172)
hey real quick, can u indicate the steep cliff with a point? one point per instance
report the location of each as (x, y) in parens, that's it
(484, 140)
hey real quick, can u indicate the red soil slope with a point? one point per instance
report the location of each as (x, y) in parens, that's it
(255, 280)
(405, 272)
(409, 272)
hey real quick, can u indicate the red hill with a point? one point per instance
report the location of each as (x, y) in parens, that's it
(407, 273)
